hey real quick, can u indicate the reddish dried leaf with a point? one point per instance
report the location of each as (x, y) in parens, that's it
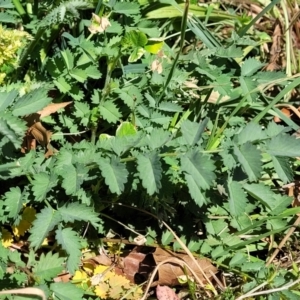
(169, 272)
(52, 108)
(165, 293)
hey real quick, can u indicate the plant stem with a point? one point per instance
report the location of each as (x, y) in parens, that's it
(20, 10)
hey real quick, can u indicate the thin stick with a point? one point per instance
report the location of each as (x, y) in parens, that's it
(289, 233)
(280, 289)
(26, 291)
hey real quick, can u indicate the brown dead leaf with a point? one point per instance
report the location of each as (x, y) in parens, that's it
(285, 111)
(276, 49)
(165, 293)
(52, 108)
(169, 272)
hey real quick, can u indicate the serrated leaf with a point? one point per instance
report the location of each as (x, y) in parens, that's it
(66, 291)
(13, 202)
(93, 72)
(150, 171)
(200, 167)
(78, 74)
(231, 51)
(248, 87)
(170, 107)
(48, 267)
(42, 184)
(274, 129)
(80, 212)
(237, 198)
(45, 221)
(126, 129)
(194, 190)
(7, 18)
(12, 128)
(73, 177)
(159, 118)
(70, 242)
(284, 145)
(251, 132)
(7, 98)
(250, 66)
(250, 159)
(283, 168)
(261, 192)
(68, 58)
(167, 237)
(114, 173)
(110, 112)
(158, 137)
(62, 85)
(31, 102)
(127, 8)
(280, 204)
(192, 131)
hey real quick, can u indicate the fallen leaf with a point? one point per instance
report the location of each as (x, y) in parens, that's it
(165, 293)
(52, 108)
(168, 273)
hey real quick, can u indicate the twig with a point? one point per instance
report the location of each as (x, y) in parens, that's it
(169, 260)
(289, 233)
(282, 288)
(26, 291)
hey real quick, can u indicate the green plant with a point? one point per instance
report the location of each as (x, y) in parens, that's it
(184, 133)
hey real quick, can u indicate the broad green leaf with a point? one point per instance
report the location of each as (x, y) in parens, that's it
(250, 66)
(7, 98)
(110, 112)
(42, 183)
(284, 145)
(70, 242)
(248, 86)
(12, 128)
(200, 167)
(66, 291)
(79, 212)
(135, 39)
(154, 46)
(114, 173)
(216, 227)
(45, 221)
(274, 129)
(250, 159)
(126, 129)
(159, 118)
(7, 18)
(6, 4)
(73, 177)
(68, 58)
(48, 267)
(127, 8)
(78, 74)
(136, 54)
(192, 131)
(13, 202)
(283, 168)
(237, 198)
(251, 132)
(150, 171)
(31, 102)
(167, 237)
